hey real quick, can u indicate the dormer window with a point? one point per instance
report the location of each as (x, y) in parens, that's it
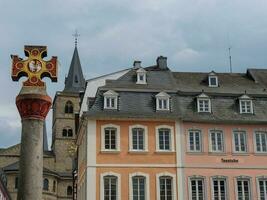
(163, 101)
(203, 103)
(110, 100)
(245, 104)
(213, 80)
(141, 76)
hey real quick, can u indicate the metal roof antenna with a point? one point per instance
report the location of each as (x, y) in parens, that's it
(230, 56)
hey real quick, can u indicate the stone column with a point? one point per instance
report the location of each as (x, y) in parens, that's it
(33, 105)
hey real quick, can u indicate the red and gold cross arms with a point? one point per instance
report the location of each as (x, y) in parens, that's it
(35, 68)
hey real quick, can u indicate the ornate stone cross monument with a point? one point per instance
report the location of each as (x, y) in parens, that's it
(33, 104)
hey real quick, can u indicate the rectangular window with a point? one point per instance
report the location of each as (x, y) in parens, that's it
(203, 105)
(166, 188)
(139, 184)
(262, 184)
(164, 139)
(163, 104)
(197, 189)
(213, 81)
(245, 106)
(243, 189)
(110, 188)
(219, 189)
(240, 141)
(111, 102)
(138, 139)
(110, 139)
(261, 142)
(194, 137)
(216, 141)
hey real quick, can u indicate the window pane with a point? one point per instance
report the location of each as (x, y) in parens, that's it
(166, 188)
(164, 139)
(110, 188)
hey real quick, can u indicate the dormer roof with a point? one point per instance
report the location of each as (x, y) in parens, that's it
(162, 94)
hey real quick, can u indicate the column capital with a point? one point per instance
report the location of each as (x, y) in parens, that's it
(33, 106)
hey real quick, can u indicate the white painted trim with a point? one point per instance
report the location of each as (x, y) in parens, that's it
(212, 186)
(172, 147)
(141, 73)
(147, 184)
(145, 138)
(103, 127)
(250, 188)
(173, 176)
(233, 141)
(223, 141)
(260, 178)
(255, 144)
(162, 96)
(115, 102)
(180, 159)
(196, 177)
(188, 141)
(198, 104)
(251, 106)
(90, 174)
(102, 184)
(216, 77)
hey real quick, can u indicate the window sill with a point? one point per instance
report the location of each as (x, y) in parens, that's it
(260, 153)
(217, 153)
(195, 152)
(138, 152)
(164, 152)
(240, 154)
(110, 151)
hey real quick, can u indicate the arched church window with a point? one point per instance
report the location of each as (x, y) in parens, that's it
(65, 132)
(69, 190)
(76, 79)
(69, 107)
(70, 134)
(46, 184)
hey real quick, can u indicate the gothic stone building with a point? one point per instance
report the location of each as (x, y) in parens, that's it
(58, 162)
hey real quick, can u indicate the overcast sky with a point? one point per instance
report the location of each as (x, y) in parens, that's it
(193, 34)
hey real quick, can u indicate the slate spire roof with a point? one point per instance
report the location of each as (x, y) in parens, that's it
(75, 81)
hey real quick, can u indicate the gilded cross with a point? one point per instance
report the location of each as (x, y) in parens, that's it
(34, 67)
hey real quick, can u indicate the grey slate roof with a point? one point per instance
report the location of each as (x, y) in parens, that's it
(138, 101)
(75, 81)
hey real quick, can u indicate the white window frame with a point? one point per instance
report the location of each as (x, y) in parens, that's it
(102, 175)
(188, 141)
(226, 186)
(141, 72)
(173, 176)
(216, 78)
(131, 138)
(147, 185)
(196, 177)
(210, 141)
(258, 179)
(246, 101)
(103, 127)
(250, 186)
(172, 147)
(160, 97)
(233, 141)
(203, 97)
(111, 95)
(255, 142)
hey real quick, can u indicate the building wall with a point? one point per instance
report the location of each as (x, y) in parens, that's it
(208, 165)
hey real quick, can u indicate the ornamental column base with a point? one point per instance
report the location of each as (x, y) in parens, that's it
(33, 109)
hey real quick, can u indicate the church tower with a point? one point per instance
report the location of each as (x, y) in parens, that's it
(66, 109)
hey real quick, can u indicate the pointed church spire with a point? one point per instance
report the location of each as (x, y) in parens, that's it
(75, 81)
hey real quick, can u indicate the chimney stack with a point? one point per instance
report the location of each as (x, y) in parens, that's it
(162, 62)
(137, 64)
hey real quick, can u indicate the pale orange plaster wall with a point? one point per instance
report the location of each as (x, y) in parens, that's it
(126, 157)
(124, 172)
